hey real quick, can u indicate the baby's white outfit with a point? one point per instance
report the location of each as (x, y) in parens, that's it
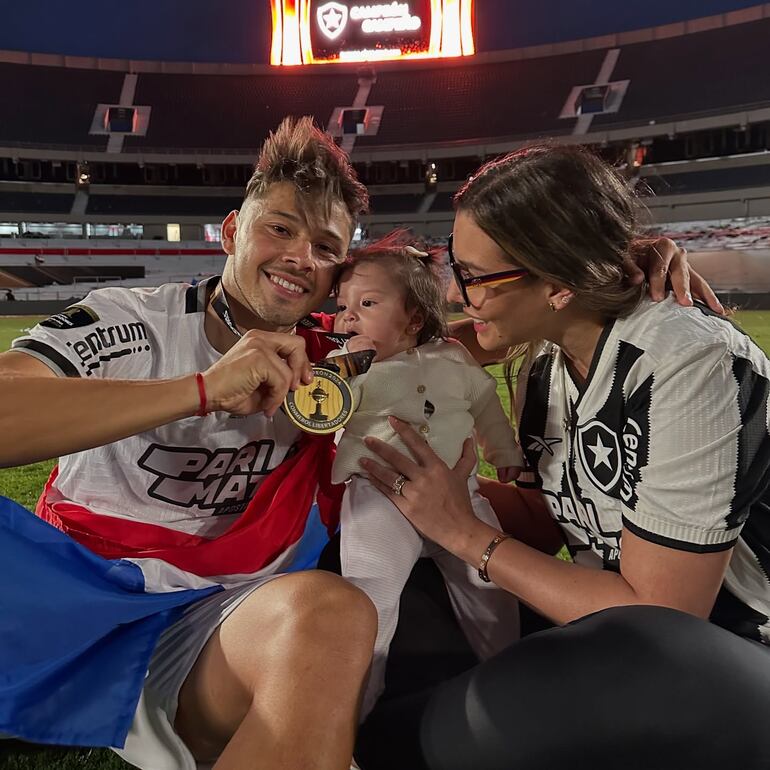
(444, 394)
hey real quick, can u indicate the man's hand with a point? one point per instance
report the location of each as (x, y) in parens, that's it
(659, 260)
(256, 373)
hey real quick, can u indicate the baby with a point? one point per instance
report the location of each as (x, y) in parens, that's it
(390, 296)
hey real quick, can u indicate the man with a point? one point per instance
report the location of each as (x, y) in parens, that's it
(162, 405)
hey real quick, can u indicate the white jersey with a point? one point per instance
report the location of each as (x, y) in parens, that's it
(442, 392)
(669, 437)
(194, 475)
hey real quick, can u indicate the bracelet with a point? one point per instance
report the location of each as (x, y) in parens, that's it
(202, 410)
(484, 563)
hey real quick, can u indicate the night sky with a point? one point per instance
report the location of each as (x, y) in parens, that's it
(239, 31)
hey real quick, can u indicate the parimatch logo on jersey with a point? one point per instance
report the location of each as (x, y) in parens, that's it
(218, 482)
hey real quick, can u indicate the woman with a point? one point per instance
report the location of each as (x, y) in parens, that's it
(647, 439)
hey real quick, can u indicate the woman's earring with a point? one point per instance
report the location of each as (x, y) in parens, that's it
(553, 307)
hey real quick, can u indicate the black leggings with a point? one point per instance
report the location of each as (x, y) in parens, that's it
(644, 688)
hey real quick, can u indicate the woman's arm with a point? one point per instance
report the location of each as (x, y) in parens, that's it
(523, 514)
(562, 591)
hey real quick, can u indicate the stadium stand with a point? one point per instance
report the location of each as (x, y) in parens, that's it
(505, 99)
(395, 203)
(160, 205)
(232, 111)
(707, 72)
(707, 181)
(439, 121)
(695, 74)
(19, 202)
(442, 202)
(63, 106)
(29, 275)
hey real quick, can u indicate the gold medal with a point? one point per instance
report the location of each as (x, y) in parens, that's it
(323, 406)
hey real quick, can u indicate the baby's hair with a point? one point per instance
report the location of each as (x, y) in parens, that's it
(416, 269)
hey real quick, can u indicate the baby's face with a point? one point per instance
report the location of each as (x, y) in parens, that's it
(370, 302)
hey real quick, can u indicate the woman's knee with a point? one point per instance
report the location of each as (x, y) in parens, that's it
(650, 682)
(645, 650)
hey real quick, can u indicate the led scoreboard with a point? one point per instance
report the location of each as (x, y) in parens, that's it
(332, 31)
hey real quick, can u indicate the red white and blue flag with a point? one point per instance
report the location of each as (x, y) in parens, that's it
(84, 597)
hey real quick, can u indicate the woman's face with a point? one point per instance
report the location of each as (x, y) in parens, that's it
(508, 314)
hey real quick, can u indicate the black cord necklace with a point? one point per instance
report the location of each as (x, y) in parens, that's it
(222, 308)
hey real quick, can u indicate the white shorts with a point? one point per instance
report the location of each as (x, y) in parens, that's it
(152, 743)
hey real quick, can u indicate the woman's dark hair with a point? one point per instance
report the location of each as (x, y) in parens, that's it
(418, 271)
(563, 214)
(567, 217)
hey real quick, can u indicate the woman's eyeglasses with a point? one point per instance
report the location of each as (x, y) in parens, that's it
(475, 287)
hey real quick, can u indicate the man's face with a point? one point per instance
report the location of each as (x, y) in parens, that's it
(283, 255)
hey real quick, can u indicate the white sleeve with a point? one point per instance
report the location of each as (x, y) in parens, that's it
(102, 336)
(494, 431)
(697, 429)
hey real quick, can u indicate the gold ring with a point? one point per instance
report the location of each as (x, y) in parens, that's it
(398, 484)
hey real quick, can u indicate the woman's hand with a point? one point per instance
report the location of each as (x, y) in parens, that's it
(434, 497)
(660, 259)
(257, 372)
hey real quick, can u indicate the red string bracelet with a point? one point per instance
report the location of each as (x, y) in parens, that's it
(202, 410)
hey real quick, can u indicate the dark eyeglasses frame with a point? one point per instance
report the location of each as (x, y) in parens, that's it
(489, 280)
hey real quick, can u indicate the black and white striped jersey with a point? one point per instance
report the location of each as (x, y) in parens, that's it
(669, 436)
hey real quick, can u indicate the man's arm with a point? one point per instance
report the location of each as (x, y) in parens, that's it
(44, 416)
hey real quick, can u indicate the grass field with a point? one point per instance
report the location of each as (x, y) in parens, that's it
(24, 484)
